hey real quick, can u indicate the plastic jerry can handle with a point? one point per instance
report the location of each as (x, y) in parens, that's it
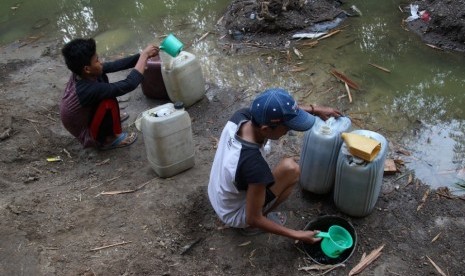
(163, 112)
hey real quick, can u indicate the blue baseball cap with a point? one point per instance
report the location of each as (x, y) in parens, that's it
(276, 106)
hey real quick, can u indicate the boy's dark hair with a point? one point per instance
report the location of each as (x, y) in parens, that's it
(78, 53)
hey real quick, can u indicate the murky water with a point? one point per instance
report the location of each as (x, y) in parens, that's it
(421, 100)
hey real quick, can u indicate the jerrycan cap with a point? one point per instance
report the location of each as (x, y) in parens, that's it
(327, 127)
(178, 105)
(358, 161)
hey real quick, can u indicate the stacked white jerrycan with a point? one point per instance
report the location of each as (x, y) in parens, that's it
(358, 182)
(319, 154)
(168, 139)
(183, 77)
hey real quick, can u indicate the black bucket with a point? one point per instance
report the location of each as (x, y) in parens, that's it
(323, 223)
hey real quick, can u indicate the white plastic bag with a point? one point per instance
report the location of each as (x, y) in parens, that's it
(267, 148)
(414, 13)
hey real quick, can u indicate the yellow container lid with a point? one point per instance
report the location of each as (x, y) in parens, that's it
(361, 146)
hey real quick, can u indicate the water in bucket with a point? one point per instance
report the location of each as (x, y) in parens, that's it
(335, 241)
(323, 223)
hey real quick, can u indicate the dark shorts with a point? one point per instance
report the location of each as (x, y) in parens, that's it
(269, 198)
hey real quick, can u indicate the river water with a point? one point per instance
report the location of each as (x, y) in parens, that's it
(419, 101)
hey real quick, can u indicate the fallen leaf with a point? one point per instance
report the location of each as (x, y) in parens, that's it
(203, 36)
(311, 44)
(297, 69)
(435, 238)
(425, 196)
(117, 192)
(364, 255)
(102, 162)
(108, 246)
(348, 92)
(380, 67)
(298, 53)
(436, 266)
(329, 35)
(434, 47)
(245, 243)
(399, 162)
(404, 152)
(315, 267)
(366, 261)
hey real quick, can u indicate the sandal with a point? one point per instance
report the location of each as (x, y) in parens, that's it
(123, 140)
(277, 217)
(123, 116)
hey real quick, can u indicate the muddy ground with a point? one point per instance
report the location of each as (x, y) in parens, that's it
(54, 219)
(445, 26)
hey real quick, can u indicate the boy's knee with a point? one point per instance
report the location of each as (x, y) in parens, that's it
(291, 167)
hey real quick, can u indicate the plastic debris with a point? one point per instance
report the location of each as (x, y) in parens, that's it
(309, 35)
(267, 147)
(414, 13)
(424, 15)
(54, 159)
(355, 9)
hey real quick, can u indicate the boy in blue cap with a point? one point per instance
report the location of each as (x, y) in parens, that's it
(243, 189)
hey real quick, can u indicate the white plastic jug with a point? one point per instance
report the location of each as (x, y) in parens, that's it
(168, 139)
(319, 154)
(358, 182)
(183, 78)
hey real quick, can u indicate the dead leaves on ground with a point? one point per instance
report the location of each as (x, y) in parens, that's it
(423, 199)
(380, 67)
(436, 266)
(342, 77)
(108, 246)
(118, 192)
(320, 267)
(366, 261)
(298, 53)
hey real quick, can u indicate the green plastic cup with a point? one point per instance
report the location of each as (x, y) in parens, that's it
(335, 241)
(171, 45)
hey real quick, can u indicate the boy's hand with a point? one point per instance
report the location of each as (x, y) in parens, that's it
(325, 112)
(308, 236)
(151, 51)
